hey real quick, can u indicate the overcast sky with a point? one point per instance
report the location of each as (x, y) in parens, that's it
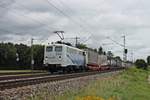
(91, 20)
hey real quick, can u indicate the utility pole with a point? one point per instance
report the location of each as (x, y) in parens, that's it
(132, 57)
(77, 40)
(122, 45)
(32, 59)
(124, 49)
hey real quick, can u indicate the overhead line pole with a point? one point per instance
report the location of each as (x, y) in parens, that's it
(77, 40)
(125, 52)
(32, 59)
(124, 47)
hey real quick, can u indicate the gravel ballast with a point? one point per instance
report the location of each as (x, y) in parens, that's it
(51, 88)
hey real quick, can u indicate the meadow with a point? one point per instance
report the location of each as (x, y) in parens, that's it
(132, 84)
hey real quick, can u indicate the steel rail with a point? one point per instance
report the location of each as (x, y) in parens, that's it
(32, 81)
(13, 77)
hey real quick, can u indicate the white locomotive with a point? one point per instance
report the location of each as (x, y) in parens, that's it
(64, 57)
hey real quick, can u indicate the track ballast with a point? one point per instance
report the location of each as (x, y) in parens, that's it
(8, 84)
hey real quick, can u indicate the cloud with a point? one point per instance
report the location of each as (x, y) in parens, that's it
(21, 20)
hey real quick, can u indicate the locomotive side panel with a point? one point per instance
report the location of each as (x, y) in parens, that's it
(75, 57)
(63, 57)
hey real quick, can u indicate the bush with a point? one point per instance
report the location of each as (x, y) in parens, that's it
(140, 63)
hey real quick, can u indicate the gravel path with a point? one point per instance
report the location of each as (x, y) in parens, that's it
(53, 88)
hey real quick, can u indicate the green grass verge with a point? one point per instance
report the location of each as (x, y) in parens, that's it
(13, 71)
(130, 85)
(16, 71)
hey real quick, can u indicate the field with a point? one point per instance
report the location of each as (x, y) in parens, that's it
(130, 85)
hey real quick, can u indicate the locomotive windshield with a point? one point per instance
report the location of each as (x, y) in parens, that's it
(58, 48)
(49, 49)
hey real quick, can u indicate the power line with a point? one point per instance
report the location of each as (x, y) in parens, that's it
(60, 11)
(64, 14)
(63, 5)
(115, 42)
(34, 20)
(87, 39)
(61, 2)
(37, 21)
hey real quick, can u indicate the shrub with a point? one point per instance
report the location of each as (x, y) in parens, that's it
(140, 63)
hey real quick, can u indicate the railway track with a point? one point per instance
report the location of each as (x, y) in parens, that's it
(13, 77)
(14, 83)
(18, 73)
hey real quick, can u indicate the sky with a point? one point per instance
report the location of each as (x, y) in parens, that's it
(91, 20)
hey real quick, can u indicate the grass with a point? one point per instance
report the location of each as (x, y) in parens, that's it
(21, 72)
(16, 71)
(13, 71)
(130, 85)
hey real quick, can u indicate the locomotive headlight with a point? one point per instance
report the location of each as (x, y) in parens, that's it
(46, 58)
(59, 57)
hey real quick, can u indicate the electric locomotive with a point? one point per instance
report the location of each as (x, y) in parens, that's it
(61, 57)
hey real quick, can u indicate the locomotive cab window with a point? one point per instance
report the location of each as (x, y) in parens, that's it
(58, 48)
(49, 49)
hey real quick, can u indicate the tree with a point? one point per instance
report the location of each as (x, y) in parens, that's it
(109, 56)
(95, 50)
(100, 50)
(81, 46)
(140, 63)
(24, 53)
(148, 60)
(38, 55)
(8, 54)
(104, 53)
(118, 58)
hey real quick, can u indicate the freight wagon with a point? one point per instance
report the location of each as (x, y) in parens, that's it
(96, 61)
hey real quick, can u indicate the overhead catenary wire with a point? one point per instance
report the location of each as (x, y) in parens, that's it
(39, 22)
(70, 10)
(34, 20)
(66, 15)
(115, 42)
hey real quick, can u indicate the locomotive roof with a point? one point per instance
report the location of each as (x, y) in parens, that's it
(57, 44)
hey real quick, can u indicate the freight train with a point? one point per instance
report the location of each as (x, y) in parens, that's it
(61, 57)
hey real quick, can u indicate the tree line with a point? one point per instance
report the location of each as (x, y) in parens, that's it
(141, 63)
(18, 56)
